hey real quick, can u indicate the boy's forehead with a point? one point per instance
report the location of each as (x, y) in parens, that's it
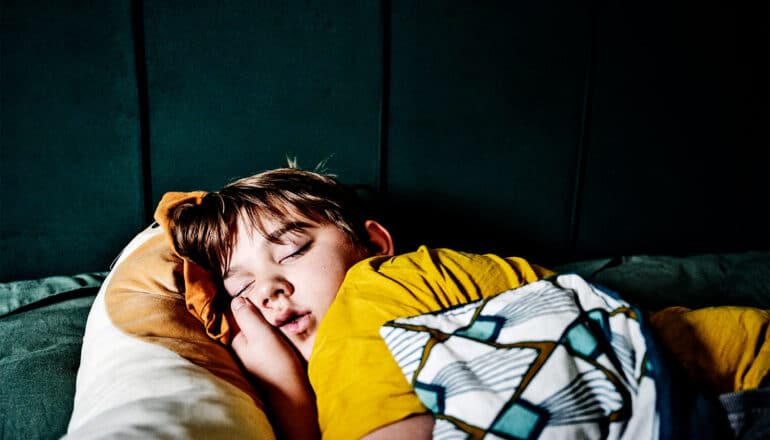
(270, 225)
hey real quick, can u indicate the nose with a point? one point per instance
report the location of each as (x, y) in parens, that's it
(271, 292)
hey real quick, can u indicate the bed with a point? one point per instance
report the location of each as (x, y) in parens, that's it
(581, 137)
(47, 318)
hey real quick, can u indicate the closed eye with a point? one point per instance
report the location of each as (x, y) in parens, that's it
(243, 289)
(298, 253)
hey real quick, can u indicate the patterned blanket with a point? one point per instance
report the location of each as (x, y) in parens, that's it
(559, 358)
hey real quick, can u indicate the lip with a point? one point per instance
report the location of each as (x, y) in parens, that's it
(294, 323)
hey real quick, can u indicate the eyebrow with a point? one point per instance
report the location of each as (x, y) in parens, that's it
(274, 237)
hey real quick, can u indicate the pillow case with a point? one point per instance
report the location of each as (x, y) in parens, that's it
(148, 367)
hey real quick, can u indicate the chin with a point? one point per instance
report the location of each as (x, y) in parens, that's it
(305, 348)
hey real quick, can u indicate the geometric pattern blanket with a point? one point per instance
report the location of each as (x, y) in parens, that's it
(558, 358)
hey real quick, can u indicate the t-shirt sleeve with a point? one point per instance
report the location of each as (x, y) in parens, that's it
(358, 385)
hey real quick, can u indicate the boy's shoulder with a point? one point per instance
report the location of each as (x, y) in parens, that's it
(423, 261)
(437, 271)
(423, 256)
(440, 262)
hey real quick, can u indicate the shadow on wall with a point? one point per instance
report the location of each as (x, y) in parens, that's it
(441, 220)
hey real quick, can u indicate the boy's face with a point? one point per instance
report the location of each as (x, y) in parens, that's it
(293, 279)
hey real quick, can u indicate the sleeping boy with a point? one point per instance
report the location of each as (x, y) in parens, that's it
(315, 290)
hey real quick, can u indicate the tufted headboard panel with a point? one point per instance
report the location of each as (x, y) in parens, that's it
(553, 130)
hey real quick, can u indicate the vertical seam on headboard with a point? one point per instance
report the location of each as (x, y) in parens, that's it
(140, 62)
(384, 121)
(583, 137)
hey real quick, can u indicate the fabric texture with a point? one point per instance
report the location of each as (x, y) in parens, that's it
(725, 349)
(199, 286)
(657, 281)
(148, 367)
(749, 413)
(42, 321)
(557, 358)
(358, 385)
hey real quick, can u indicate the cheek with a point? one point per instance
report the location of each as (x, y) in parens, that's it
(334, 277)
(331, 281)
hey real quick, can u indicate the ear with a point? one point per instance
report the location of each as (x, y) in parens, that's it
(380, 238)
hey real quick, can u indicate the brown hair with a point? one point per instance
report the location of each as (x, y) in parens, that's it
(206, 232)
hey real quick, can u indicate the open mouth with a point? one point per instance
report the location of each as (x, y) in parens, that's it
(294, 318)
(295, 323)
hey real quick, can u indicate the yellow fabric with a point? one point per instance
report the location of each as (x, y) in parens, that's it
(358, 385)
(724, 348)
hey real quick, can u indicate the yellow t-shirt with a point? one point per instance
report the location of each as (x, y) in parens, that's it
(358, 385)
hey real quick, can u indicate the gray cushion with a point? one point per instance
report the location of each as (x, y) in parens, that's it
(42, 322)
(696, 281)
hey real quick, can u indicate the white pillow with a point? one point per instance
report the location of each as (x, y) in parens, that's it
(138, 379)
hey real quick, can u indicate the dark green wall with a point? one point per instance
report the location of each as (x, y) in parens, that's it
(484, 122)
(69, 135)
(233, 87)
(678, 156)
(555, 130)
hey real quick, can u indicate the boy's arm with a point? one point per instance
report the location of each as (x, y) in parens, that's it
(360, 388)
(281, 375)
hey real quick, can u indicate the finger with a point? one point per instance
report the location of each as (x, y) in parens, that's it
(248, 318)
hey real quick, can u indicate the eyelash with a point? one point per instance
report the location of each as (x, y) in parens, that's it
(298, 253)
(243, 289)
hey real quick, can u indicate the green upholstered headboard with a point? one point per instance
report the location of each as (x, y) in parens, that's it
(555, 130)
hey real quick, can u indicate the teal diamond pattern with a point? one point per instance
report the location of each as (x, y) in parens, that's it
(484, 328)
(520, 421)
(580, 339)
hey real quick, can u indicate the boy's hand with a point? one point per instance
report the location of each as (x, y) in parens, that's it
(266, 354)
